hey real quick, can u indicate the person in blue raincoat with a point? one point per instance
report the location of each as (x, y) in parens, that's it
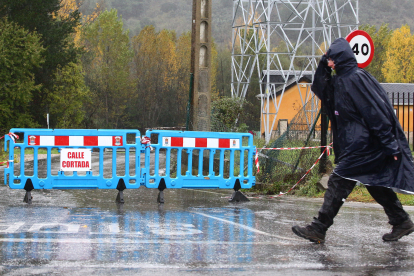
(369, 144)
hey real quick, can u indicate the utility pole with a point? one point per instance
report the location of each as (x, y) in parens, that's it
(201, 65)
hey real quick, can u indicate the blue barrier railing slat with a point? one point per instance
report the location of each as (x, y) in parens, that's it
(189, 162)
(211, 163)
(200, 162)
(101, 160)
(231, 171)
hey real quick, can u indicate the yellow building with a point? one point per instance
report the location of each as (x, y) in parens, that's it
(401, 96)
(292, 100)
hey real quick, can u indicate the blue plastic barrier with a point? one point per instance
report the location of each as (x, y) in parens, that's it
(110, 143)
(214, 159)
(87, 159)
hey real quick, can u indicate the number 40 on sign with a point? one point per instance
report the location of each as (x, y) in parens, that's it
(362, 46)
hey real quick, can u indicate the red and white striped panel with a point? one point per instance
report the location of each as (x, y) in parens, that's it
(75, 141)
(186, 142)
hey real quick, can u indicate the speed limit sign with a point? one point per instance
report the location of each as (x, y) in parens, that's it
(362, 46)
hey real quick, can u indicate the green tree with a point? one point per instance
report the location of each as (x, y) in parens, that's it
(41, 16)
(20, 53)
(223, 76)
(398, 68)
(223, 80)
(381, 39)
(156, 68)
(107, 66)
(66, 109)
(182, 84)
(229, 114)
(162, 68)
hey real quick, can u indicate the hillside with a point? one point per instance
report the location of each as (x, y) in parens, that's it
(176, 14)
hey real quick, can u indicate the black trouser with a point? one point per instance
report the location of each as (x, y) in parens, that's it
(339, 189)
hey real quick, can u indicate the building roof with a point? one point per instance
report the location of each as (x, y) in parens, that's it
(399, 93)
(277, 79)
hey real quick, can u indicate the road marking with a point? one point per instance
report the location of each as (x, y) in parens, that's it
(173, 229)
(246, 227)
(134, 241)
(162, 229)
(114, 228)
(71, 228)
(11, 228)
(165, 229)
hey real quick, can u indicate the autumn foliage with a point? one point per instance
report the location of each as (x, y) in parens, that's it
(89, 71)
(399, 64)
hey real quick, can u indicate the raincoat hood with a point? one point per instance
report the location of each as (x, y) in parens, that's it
(342, 55)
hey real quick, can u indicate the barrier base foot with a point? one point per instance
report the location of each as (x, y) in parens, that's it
(28, 197)
(160, 198)
(238, 196)
(120, 197)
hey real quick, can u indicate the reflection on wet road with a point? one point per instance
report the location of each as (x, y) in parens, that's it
(105, 236)
(78, 232)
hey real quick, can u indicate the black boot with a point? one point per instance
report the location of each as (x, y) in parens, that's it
(400, 230)
(310, 233)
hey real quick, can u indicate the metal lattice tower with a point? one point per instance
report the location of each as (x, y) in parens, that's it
(284, 38)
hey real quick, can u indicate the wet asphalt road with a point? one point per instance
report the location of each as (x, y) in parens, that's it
(196, 232)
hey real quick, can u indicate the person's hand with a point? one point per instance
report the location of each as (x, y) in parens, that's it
(324, 64)
(397, 156)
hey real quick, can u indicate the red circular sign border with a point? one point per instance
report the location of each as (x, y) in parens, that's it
(353, 34)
